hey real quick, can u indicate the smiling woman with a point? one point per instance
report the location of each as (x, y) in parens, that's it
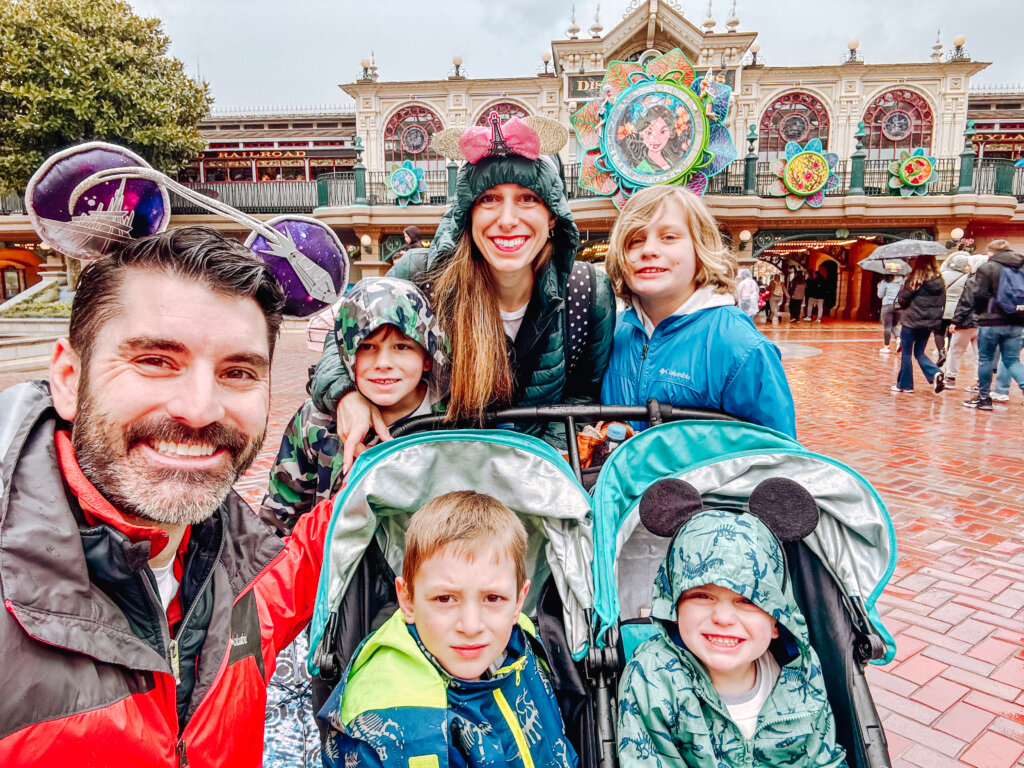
(498, 274)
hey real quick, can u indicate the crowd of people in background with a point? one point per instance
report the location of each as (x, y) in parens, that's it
(962, 307)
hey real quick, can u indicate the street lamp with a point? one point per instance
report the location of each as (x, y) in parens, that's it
(365, 64)
(457, 62)
(755, 48)
(365, 240)
(744, 239)
(956, 233)
(546, 58)
(852, 47)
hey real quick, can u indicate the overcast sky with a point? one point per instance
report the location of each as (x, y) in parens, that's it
(283, 53)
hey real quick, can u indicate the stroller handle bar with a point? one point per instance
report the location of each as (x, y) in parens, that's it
(653, 413)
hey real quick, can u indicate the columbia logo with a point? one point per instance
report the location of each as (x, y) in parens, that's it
(675, 374)
(240, 640)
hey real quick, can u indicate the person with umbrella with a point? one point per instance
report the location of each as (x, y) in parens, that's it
(888, 290)
(921, 301)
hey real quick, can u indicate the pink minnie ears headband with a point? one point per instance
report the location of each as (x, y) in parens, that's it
(528, 137)
(88, 199)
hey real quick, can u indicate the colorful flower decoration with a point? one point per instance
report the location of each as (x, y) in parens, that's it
(656, 124)
(407, 183)
(912, 173)
(805, 174)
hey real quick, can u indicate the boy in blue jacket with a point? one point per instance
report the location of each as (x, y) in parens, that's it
(683, 340)
(453, 678)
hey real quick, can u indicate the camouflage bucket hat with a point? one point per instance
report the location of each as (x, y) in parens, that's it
(377, 301)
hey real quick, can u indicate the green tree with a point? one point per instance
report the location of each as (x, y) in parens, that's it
(83, 70)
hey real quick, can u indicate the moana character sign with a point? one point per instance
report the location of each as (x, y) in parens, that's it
(656, 124)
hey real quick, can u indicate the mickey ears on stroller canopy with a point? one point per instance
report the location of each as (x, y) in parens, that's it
(783, 505)
(88, 199)
(529, 137)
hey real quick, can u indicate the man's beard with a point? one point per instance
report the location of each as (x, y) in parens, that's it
(111, 457)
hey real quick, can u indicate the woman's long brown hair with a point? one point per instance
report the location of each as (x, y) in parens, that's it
(924, 270)
(465, 303)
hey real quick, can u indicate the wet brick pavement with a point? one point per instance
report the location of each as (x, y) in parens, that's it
(953, 479)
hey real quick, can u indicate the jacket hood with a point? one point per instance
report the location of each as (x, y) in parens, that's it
(933, 286)
(1007, 259)
(474, 179)
(956, 263)
(735, 551)
(377, 301)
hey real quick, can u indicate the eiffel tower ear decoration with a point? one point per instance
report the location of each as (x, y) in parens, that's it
(786, 507)
(668, 505)
(88, 199)
(528, 137)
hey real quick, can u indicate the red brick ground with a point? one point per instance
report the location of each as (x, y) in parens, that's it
(953, 480)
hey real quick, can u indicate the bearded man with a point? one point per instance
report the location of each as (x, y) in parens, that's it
(145, 603)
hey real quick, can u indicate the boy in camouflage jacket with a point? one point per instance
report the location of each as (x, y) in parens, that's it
(396, 354)
(729, 678)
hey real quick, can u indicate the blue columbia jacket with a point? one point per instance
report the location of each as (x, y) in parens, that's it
(710, 358)
(397, 708)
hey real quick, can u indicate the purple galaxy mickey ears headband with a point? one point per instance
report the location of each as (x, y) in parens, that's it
(528, 137)
(86, 200)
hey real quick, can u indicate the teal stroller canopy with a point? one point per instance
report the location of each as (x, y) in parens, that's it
(391, 481)
(725, 461)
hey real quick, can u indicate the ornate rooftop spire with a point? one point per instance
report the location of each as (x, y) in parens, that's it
(596, 28)
(574, 29)
(709, 23)
(734, 19)
(937, 48)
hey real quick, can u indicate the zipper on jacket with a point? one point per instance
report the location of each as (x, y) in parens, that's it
(180, 752)
(173, 649)
(513, 725)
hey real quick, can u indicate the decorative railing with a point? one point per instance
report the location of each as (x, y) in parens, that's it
(993, 176)
(252, 196)
(12, 203)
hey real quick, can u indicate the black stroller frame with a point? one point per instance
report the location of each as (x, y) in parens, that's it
(839, 627)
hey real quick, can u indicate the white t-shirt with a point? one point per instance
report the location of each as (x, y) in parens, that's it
(513, 320)
(166, 584)
(744, 708)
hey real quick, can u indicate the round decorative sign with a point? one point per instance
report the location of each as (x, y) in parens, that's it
(655, 133)
(794, 127)
(414, 139)
(916, 170)
(806, 173)
(404, 182)
(912, 172)
(407, 182)
(655, 123)
(896, 125)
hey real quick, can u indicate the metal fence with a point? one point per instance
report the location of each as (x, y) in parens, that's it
(379, 192)
(12, 203)
(336, 189)
(1018, 184)
(252, 196)
(993, 176)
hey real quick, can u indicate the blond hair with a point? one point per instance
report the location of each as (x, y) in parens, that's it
(999, 245)
(716, 265)
(463, 523)
(466, 306)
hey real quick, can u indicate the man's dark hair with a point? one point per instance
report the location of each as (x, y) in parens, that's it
(199, 254)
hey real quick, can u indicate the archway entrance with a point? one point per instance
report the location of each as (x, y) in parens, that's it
(850, 291)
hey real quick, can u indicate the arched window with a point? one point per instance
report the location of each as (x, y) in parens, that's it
(797, 117)
(407, 137)
(505, 110)
(896, 120)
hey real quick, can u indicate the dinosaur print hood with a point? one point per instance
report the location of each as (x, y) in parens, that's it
(738, 552)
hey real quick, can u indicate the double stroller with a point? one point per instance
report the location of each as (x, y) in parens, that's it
(591, 563)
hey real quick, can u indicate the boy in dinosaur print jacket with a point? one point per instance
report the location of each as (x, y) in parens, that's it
(729, 678)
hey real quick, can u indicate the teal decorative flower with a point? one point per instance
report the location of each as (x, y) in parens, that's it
(912, 172)
(805, 174)
(407, 183)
